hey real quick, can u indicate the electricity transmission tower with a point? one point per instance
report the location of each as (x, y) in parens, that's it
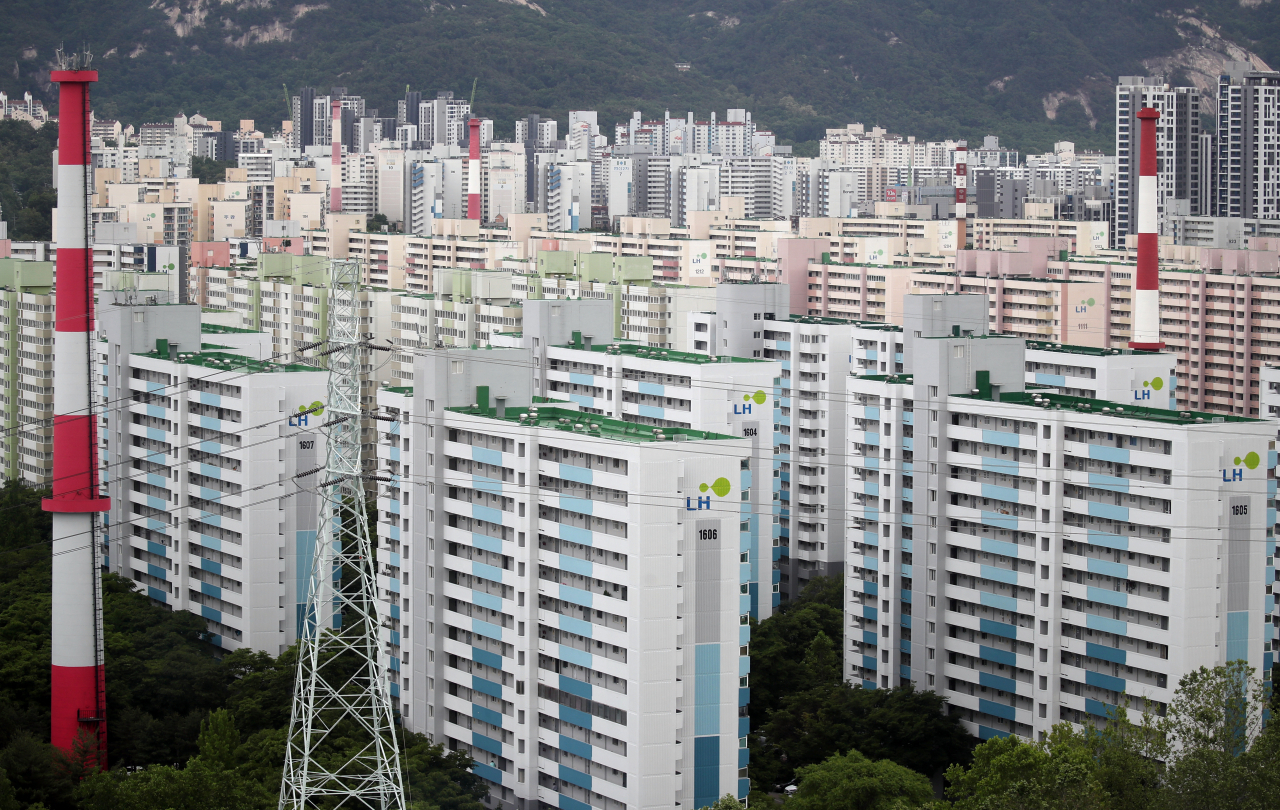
(342, 696)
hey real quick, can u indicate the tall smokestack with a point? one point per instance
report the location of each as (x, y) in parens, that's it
(962, 194)
(78, 683)
(473, 169)
(1146, 287)
(335, 171)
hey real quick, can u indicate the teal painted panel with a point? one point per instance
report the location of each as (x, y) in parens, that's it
(1001, 438)
(1117, 455)
(1108, 482)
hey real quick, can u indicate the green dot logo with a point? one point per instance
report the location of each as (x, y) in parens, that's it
(704, 255)
(1251, 460)
(720, 487)
(318, 405)
(758, 397)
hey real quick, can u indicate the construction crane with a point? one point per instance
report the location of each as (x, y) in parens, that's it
(471, 105)
(342, 695)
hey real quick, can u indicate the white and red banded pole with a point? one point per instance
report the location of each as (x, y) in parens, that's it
(1146, 288)
(473, 169)
(78, 683)
(962, 194)
(335, 172)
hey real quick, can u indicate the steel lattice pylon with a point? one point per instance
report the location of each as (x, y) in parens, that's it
(342, 691)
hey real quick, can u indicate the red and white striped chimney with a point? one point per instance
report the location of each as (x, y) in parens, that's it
(473, 169)
(78, 683)
(1146, 286)
(335, 170)
(962, 194)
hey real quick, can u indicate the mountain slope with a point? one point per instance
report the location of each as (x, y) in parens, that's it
(1033, 71)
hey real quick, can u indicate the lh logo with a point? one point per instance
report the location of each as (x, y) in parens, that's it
(1251, 461)
(758, 398)
(719, 488)
(1156, 383)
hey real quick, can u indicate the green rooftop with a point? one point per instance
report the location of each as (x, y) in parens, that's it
(551, 417)
(217, 329)
(406, 390)
(1095, 351)
(646, 352)
(825, 319)
(227, 361)
(1102, 407)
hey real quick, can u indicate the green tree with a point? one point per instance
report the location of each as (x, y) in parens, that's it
(210, 171)
(780, 644)
(1011, 774)
(726, 802)
(908, 727)
(853, 782)
(1215, 718)
(157, 787)
(218, 740)
(8, 798)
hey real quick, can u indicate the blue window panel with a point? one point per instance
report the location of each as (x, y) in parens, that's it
(651, 412)
(1000, 493)
(985, 733)
(486, 513)
(571, 472)
(485, 484)
(576, 566)
(905, 596)
(1111, 569)
(906, 570)
(997, 601)
(1118, 455)
(486, 600)
(208, 470)
(395, 689)
(210, 590)
(210, 565)
(744, 631)
(582, 379)
(706, 770)
(1000, 521)
(1000, 465)
(999, 575)
(493, 774)
(869, 662)
(575, 747)
(1104, 681)
(581, 719)
(486, 743)
(1098, 708)
(160, 573)
(1108, 540)
(486, 686)
(998, 656)
(872, 438)
(161, 596)
(868, 684)
(487, 456)
(869, 612)
(158, 503)
(744, 665)
(1000, 438)
(1237, 635)
(869, 637)
(575, 687)
(996, 709)
(393, 585)
(744, 696)
(871, 487)
(577, 626)
(486, 543)
(489, 572)
(486, 629)
(997, 682)
(873, 412)
(1108, 482)
(576, 595)
(575, 777)
(575, 534)
(870, 588)
(744, 726)
(998, 628)
(870, 563)
(906, 620)
(579, 505)
(999, 547)
(904, 671)
(1105, 625)
(486, 715)
(575, 656)
(1051, 379)
(652, 389)
(1113, 598)
(904, 646)
(210, 613)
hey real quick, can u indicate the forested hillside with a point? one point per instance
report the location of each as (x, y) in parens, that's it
(1032, 71)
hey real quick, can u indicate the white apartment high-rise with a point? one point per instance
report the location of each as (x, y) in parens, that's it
(565, 593)
(1248, 120)
(1182, 176)
(1041, 557)
(201, 442)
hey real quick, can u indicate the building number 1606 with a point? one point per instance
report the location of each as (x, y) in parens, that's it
(708, 534)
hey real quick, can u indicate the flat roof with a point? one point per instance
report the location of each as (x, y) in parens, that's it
(1096, 351)
(563, 419)
(1102, 407)
(826, 319)
(210, 357)
(218, 329)
(646, 352)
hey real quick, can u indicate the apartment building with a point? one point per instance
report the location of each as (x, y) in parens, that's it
(1075, 554)
(584, 641)
(1183, 171)
(200, 445)
(26, 361)
(1247, 118)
